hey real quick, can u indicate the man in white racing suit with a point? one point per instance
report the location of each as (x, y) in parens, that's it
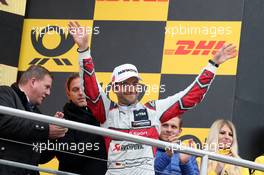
(130, 116)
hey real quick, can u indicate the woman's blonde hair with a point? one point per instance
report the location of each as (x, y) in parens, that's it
(212, 139)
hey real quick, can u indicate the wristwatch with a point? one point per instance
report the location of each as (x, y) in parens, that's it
(213, 63)
(81, 51)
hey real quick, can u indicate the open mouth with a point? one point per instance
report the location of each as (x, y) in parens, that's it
(226, 141)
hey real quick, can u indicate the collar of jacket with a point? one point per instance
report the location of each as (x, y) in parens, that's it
(79, 114)
(22, 96)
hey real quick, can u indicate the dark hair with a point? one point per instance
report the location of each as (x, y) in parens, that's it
(70, 79)
(180, 122)
(35, 71)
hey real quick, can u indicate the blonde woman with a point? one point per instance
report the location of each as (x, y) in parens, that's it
(222, 139)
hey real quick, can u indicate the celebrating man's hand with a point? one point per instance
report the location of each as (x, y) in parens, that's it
(79, 35)
(225, 53)
(57, 131)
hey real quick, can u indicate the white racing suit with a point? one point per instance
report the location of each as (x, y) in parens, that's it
(125, 157)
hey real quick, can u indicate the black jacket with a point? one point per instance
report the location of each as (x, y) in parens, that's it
(94, 145)
(19, 129)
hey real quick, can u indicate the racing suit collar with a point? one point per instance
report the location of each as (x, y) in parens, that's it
(127, 107)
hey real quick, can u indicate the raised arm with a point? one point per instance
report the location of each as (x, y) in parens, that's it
(96, 99)
(177, 104)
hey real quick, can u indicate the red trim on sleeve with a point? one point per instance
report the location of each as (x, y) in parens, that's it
(94, 101)
(191, 98)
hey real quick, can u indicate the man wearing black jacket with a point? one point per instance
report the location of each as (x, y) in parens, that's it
(83, 146)
(17, 135)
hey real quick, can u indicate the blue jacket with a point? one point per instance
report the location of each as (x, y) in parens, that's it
(171, 165)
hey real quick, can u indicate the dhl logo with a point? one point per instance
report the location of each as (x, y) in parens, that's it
(190, 47)
(132, 0)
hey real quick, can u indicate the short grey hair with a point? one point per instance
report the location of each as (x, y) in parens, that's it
(34, 71)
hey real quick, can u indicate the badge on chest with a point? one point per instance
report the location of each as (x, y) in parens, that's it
(141, 118)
